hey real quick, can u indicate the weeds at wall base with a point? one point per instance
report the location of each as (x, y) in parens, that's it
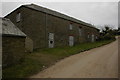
(44, 58)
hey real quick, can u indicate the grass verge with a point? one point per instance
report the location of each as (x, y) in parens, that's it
(43, 58)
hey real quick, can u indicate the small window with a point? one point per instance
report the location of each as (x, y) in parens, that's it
(96, 37)
(88, 36)
(18, 16)
(70, 27)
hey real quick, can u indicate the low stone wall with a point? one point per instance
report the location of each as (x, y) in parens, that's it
(13, 50)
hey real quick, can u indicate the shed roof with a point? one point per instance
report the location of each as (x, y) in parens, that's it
(48, 11)
(9, 29)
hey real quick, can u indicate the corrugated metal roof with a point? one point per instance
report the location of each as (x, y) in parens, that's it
(48, 11)
(8, 28)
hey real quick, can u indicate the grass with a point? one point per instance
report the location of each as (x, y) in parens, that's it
(43, 58)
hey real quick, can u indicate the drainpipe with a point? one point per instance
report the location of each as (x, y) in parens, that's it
(46, 31)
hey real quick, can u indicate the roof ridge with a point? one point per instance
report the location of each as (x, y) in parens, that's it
(59, 14)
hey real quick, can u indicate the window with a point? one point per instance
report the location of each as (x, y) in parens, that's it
(88, 36)
(71, 40)
(92, 37)
(18, 16)
(70, 27)
(96, 37)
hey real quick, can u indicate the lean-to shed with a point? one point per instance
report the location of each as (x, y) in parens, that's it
(13, 43)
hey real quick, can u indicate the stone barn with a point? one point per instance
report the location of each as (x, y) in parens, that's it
(13, 43)
(48, 28)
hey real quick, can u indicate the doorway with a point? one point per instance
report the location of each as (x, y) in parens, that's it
(71, 40)
(51, 40)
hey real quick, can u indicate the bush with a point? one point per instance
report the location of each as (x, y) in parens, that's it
(107, 37)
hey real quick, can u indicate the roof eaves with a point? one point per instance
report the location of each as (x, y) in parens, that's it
(12, 35)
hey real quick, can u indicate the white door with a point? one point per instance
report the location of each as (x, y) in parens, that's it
(51, 40)
(71, 40)
(92, 37)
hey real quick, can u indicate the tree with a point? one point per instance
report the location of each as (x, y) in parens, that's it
(107, 33)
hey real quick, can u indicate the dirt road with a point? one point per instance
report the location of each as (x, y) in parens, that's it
(100, 62)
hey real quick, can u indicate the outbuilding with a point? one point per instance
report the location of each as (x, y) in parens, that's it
(13, 43)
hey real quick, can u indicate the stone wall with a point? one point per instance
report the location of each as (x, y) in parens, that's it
(13, 50)
(37, 25)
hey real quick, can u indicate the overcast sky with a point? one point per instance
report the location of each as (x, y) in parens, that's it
(96, 13)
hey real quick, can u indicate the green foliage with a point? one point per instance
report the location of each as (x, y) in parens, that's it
(107, 33)
(42, 58)
(107, 37)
